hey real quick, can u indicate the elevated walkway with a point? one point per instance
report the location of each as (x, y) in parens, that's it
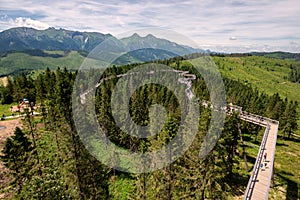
(259, 183)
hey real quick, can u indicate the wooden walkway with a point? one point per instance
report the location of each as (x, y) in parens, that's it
(259, 183)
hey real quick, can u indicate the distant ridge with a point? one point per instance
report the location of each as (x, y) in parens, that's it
(23, 38)
(279, 55)
(25, 49)
(149, 41)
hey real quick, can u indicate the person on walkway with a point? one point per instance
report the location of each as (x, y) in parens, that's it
(261, 166)
(265, 157)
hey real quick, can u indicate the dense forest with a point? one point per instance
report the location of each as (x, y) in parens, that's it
(47, 159)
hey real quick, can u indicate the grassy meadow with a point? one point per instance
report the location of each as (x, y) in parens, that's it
(267, 74)
(21, 61)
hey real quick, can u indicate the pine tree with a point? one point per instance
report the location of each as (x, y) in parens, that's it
(16, 153)
(229, 140)
(290, 118)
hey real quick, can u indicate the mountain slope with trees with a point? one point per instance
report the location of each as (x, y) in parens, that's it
(24, 38)
(54, 48)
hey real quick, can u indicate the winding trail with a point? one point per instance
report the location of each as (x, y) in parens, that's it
(184, 78)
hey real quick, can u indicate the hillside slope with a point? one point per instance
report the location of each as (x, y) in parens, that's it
(269, 75)
(15, 63)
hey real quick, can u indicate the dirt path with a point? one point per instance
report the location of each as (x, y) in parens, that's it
(10, 126)
(8, 131)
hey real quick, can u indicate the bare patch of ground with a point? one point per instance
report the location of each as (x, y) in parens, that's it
(4, 81)
(10, 126)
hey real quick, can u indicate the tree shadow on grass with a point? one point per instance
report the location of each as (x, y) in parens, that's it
(292, 192)
(238, 184)
(257, 142)
(251, 159)
(282, 144)
(292, 139)
(247, 138)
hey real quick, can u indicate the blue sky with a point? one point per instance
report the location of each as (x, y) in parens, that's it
(221, 25)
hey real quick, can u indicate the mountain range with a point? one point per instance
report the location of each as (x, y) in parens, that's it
(25, 49)
(23, 38)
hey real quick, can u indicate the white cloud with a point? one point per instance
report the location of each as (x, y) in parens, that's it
(209, 23)
(27, 22)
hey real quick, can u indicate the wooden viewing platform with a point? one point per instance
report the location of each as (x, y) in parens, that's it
(259, 183)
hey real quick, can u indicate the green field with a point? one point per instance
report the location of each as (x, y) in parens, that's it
(16, 62)
(5, 109)
(267, 74)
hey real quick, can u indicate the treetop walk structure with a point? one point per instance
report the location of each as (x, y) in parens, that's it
(263, 171)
